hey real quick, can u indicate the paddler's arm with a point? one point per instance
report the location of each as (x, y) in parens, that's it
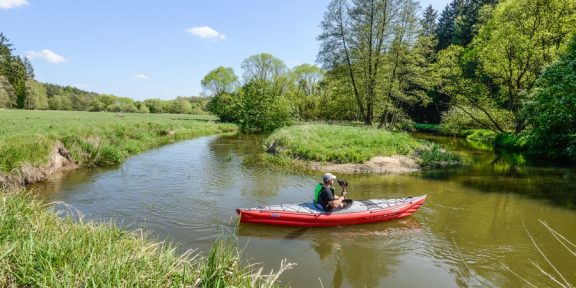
(338, 200)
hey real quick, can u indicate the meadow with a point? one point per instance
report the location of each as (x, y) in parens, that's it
(91, 138)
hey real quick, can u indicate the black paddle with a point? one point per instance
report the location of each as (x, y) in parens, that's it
(344, 185)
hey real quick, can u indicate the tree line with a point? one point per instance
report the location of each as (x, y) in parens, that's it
(19, 90)
(478, 65)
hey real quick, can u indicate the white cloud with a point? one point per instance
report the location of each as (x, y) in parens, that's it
(206, 32)
(9, 4)
(141, 77)
(49, 55)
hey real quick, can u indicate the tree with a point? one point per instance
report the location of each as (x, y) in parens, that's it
(36, 97)
(305, 91)
(180, 106)
(468, 21)
(261, 109)
(550, 111)
(16, 70)
(7, 96)
(447, 24)
(266, 67)
(220, 81)
(428, 22)
(469, 96)
(355, 35)
(406, 79)
(518, 41)
(307, 78)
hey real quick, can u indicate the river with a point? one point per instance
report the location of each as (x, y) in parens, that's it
(478, 218)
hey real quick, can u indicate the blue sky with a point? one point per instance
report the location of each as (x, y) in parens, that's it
(157, 49)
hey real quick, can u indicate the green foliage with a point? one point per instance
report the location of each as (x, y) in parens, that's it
(551, 111)
(15, 72)
(265, 67)
(435, 156)
(225, 106)
(40, 249)
(511, 141)
(520, 39)
(482, 135)
(306, 90)
(220, 81)
(370, 44)
(460, 118)
(261, 108)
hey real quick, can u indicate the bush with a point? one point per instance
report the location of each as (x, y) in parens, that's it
(257, 107)
(482, 136)
(550, 113)
(511, 141)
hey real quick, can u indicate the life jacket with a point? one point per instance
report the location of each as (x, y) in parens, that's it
(316, 199)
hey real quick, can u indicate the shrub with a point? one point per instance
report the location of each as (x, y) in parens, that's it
(550, 113)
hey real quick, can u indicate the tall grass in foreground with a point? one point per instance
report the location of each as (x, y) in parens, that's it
(39, 249)
(347, 144)
(551, 272)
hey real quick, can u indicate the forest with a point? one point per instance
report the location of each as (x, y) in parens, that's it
(505, 68)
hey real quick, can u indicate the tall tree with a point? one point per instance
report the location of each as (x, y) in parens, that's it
(428, 22)
(518, 41)
(447, 24)
(265, 67)
(220, 81)
(468, 21)
(405, 82)
(355, 34)
(305, 90)
(16, 70)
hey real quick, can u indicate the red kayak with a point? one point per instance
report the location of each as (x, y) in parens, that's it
(310, 215)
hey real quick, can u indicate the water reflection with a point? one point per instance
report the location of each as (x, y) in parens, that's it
(507, 172)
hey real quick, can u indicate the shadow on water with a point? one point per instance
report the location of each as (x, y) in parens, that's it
(501, 171)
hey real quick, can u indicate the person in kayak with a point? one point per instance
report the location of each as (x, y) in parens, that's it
(326, 197)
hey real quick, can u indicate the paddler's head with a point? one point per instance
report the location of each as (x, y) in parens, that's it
(328, 178)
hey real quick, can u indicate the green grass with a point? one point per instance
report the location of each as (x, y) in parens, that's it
(92, 138)
(39, 249)
(346, 144)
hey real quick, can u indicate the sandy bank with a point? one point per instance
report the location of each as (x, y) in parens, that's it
(396, 164)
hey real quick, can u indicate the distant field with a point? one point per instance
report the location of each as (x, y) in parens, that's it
(93, 138)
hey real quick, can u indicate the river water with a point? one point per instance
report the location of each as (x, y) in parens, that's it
(478, 218)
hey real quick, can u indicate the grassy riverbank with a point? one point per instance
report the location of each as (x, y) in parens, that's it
(28, 138)
(39, 249)
(347, 144)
